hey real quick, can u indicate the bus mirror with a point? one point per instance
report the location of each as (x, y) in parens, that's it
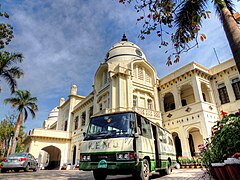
(136, 135)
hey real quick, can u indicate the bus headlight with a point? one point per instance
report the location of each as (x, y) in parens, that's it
(85, 157)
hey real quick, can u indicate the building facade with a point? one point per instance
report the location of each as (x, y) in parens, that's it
(187, 102)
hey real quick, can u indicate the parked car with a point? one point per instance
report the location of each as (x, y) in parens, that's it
(19, 161)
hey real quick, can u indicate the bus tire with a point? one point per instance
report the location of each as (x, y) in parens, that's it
(169, 169)
(144, 173)
(99, 174)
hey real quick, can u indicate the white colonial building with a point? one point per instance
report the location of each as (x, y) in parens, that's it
(187, 102)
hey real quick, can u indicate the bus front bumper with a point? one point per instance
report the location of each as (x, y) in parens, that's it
(124, 166)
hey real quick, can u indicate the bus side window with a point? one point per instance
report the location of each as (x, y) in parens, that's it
(170, 142)
(160, 131)
(139, 125)
(164, 137)
(146, 128)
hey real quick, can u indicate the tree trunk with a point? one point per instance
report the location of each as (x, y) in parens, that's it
(19, 122)
(232, 32)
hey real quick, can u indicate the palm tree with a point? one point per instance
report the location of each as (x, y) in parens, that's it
(24, 103)
(8, 71)
(185, 18)
(189, 16)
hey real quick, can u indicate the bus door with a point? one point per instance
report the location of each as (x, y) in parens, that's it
(157, 146)
(145, 141)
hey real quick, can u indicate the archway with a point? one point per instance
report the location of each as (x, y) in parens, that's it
(177, 143)
(195, 139)
(205, 93)
(169, 102)
(52, 157)
(187, 95)
(74, 155)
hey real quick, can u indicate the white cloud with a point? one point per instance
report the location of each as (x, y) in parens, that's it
(64, 42)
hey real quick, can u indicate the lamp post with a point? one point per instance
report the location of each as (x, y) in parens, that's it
(10, 143)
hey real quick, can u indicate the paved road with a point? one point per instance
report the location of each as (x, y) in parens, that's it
(177, 174)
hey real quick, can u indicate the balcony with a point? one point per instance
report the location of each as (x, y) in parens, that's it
(189, 109)
(38, 132)
(148, 113)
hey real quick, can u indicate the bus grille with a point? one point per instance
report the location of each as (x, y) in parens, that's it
(98, 157)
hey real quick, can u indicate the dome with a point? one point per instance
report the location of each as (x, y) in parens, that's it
(124, 50)
(53, 113)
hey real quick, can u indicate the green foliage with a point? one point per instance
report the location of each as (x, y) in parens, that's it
(8, 69)
(178, 22)
(225, 141)
(6, 128)
(6, 30)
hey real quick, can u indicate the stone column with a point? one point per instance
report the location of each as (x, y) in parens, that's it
(177, 97)
(183, 136)
(196, 84)
(210, 93)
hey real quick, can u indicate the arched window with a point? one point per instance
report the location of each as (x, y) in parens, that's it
(140, 73)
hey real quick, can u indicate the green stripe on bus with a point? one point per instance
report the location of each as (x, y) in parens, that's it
(146, 152)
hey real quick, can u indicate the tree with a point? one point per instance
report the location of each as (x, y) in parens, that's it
(6, 129)
(24, 103)
(8, 71)
(185, 18)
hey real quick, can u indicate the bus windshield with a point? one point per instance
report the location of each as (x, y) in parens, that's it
(111, 126)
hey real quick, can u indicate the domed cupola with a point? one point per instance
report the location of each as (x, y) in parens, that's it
(124, 51)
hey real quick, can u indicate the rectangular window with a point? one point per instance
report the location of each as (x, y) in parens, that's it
(83, 119)
(65, 125)
(76, 122)
(100, 107)
(236, 87)
(140, 73)
(223, 95)
(90, 112)
(105, 77)
(144, 127)
(147, 76)
(134, 101)
(150, 105)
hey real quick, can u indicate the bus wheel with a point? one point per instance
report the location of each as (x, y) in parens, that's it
(169, 169)
(144, 174)
(99, 174)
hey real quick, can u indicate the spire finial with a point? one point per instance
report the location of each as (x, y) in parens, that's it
(124, 37)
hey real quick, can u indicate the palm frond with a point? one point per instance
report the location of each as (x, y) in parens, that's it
(188, 18)
(32, 112)
(25, 114)
(10, 81)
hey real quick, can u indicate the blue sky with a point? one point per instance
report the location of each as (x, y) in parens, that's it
(64, 42)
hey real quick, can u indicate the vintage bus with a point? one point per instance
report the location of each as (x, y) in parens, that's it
(126, 143)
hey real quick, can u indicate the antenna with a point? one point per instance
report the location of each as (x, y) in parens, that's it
(216, 55)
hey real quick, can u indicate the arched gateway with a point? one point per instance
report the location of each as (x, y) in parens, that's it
(52, 158)
(49, 146)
